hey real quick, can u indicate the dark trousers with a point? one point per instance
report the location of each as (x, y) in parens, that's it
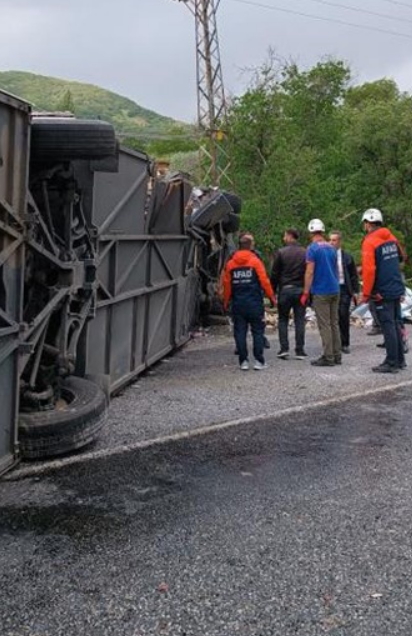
(389, 316)
(344, 316)
(242, 318)
(289, 300)
(375, 317)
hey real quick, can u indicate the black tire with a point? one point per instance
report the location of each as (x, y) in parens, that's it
(232, 224)
(51, 433)
(56, 139)
(234, 200)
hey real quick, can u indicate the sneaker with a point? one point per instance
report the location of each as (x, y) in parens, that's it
(283, 353)
(346, 349)
(385, 368)
(266, 343)
(403, 365)
(322, 362)
(301, 355)
(338, 359)
(244, 365)
(259, 366)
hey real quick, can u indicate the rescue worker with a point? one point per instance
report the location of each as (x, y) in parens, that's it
(266, 342)
(287, 278)
(348, 287)
(322, 282)
(245, 282)
(383, 283)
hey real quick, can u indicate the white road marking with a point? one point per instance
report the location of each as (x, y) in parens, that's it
(38, 469)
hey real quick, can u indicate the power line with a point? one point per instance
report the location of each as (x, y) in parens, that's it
(401, 4)
(318, 17)
(347, 7)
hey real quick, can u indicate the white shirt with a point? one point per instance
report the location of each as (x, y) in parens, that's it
(340, 268)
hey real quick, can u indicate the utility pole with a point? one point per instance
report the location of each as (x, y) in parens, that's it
(211, 103)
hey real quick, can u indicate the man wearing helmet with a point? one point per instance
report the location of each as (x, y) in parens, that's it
(322, 281)
(383, 283)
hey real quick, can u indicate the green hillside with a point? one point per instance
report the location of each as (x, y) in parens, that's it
(88, 101)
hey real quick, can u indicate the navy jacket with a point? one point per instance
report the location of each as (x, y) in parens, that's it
(245, 282)
(381, 265)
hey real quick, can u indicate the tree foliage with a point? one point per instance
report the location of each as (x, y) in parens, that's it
(66, 103)
(307, 143)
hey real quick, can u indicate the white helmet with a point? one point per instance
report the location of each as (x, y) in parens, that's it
(373, 215)
(316, 225)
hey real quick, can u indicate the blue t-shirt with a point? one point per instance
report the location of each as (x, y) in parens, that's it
(325, 277)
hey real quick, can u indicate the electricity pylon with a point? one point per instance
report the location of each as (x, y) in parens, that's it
(211, 103)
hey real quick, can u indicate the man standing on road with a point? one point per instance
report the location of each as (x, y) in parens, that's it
(348, 287)
(321, 280)
(287, 278)
(245, 282)
(383, 283)
(266, 342)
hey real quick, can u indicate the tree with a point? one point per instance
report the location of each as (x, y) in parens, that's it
(378, 143)
(66, 103)
(286, 131)
(309, 144)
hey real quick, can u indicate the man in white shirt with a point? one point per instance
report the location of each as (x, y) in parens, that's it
(348, 287)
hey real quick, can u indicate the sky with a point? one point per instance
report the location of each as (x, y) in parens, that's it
(145, 49)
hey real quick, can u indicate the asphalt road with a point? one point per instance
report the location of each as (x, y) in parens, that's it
(201, 386)
(299, 525)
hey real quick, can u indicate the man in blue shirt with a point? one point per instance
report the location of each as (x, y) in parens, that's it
(322, 282)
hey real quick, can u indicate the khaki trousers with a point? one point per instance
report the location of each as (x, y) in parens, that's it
(327, 315)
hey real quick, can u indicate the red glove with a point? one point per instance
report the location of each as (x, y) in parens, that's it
(378, 298)
(304, 299)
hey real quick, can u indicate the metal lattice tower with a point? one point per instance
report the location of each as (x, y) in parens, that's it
(211, 103)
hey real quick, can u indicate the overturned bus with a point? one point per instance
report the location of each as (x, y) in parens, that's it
(104, 268)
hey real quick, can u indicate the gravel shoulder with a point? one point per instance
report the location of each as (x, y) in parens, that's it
(202, 385)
